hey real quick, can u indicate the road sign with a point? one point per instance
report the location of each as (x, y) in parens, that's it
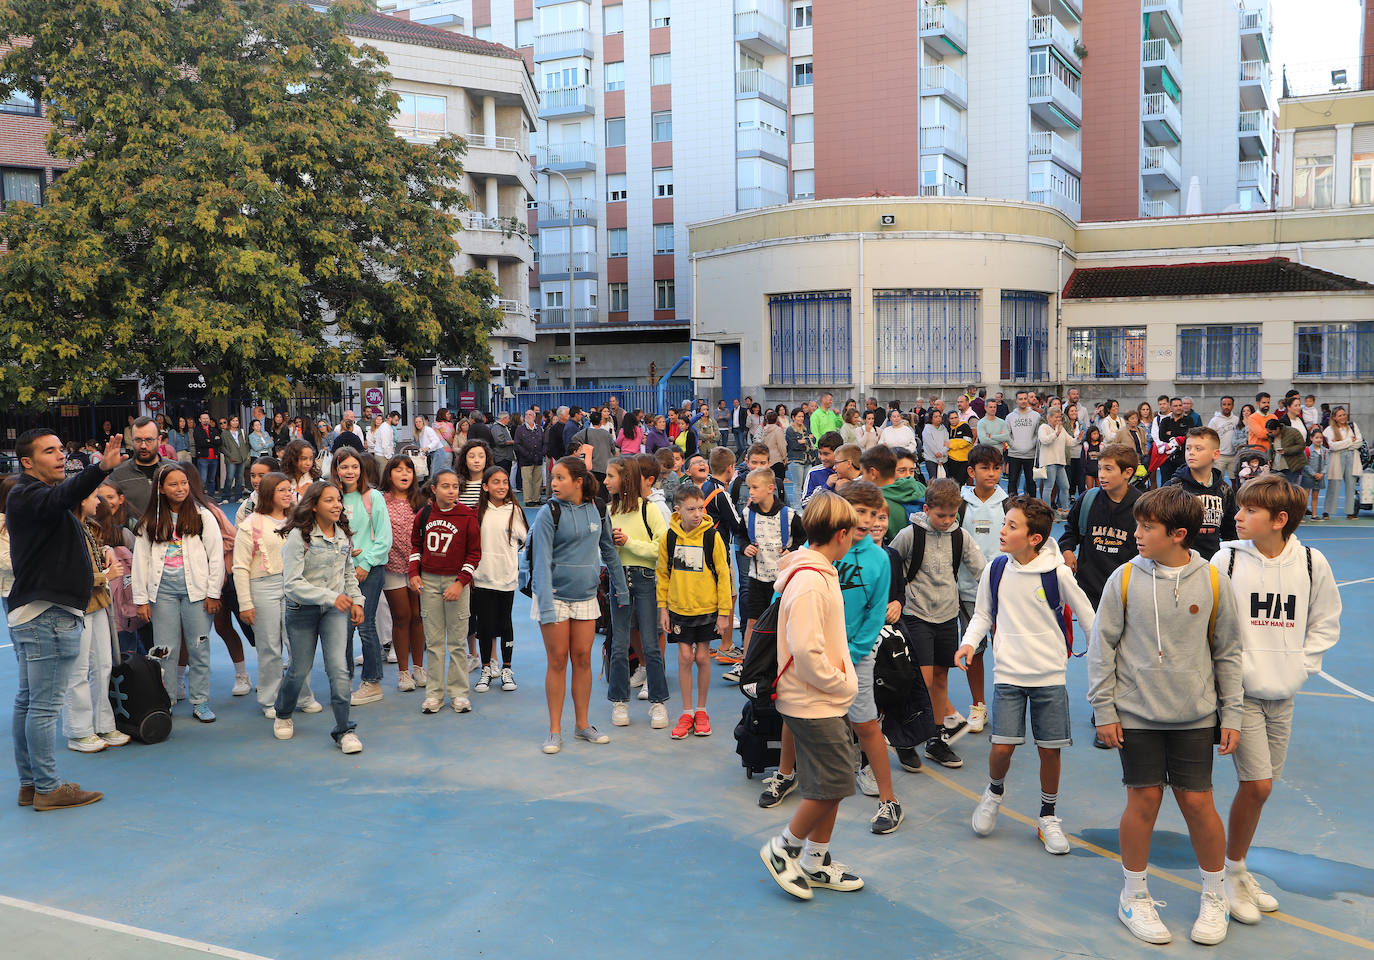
(153, 401)
(703, 360)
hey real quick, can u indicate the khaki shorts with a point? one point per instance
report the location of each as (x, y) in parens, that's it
(825, 757)
(1264, 732)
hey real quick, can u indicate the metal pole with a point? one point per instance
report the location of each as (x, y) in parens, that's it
(572, 316)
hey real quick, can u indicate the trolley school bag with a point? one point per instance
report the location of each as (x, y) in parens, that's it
(556, 511)
(1049, 587)
(141, 706)
(758, 737)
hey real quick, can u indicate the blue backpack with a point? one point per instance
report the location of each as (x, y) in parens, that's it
(1049, 584)
(784, 525)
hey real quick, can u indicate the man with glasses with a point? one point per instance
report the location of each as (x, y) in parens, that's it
(134, 477)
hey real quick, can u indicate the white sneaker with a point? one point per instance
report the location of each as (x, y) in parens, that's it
(1246, 899)
(461, 705)
(977, 717)
(314, 706)
(1213, 919)
(91, 744)
(1051, 833)
(1141, 917)
(658, 716)
(269, 712)
(349, 743)
(639, 677)
(620, 714)
(985, 814)
(369, 691)
(832, 875)
(114, 738)
(390, 653)
(283, 729)
(405, 682)
(242, 685)
(507, 680)
(644, 692)
(866, 782)
(474, 661)
(483, 683)
(733, 674)
(431, 705)
(421, 677)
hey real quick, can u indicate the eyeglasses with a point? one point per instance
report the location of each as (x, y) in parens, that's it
(145, 441)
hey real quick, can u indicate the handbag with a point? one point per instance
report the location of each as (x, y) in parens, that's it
(1040, 473)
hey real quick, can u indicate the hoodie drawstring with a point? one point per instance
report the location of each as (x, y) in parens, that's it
(1154, 593)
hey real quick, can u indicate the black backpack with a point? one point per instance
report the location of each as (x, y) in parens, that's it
(141, 706)
(894, 672)
(759, 673)
(758, 738)
(556, 511)
(918, 550)
(708, 547)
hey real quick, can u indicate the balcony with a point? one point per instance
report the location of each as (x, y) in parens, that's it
(556, 318)
(554, 213)
(945, 81)
(1159, 170)
(501, 157)
(1158, 208)
(1048, 31)
(554, 266)
(1047, 145)
(759, 83)
(565, 43)
(504, 238)
(1159, 57)
(1161, 117)
(1054, 103)
(1163, 18)
(569, 157)
(1255, 31)
(943, 139)
(760, 34)
(752, 141)
(566, 102)
(1256, 130)
(943, 31)
(1058, 198)
(1254, 84)
(1254, 174)
(950, 187)
(751, 198)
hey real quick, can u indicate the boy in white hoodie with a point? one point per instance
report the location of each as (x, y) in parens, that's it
(1022, 594)
(1290, 614)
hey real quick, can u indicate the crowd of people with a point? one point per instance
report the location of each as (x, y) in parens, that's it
(853, 540)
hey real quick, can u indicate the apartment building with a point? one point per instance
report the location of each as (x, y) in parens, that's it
(26, 167)
(1326, 151)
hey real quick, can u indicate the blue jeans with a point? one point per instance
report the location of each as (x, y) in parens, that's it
(1057, 478)
(233, 480)
(209, 473)
(305, 623)
(367, 630)
(641, 611)
(269, 607)
(175, 615)
(47, 648)
(796, 476)
(1049, 715)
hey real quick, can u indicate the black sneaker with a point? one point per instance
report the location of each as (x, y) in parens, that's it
(950, 734)
(909, 758)
(939, 751)
(888, 818)
(776, 788)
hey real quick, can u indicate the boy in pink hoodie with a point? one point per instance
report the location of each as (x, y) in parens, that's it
(816, 685)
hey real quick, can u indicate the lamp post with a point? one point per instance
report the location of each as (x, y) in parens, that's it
(572, 317)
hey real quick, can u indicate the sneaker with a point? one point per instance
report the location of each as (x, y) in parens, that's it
(483, 683)
(114, 738)
(431, 705)
(937, 749)
(553, 743)
(909, 759)
(67, 795)
(620, 714)
(507, 680)
(702, 725)
(644, 692)
(951, 734)
(592, 735)
(639, 677)
(866, 782)
(390, 653)
(313, 706)
(283, 729)
(358, 660)
(242, 685)
(977, 717)
(888, 818)
(91, 744)
(1051, 833)
(181, 688)
(349, 743)
(461, 705)
(985, 814)
(421, 677)
(833, 875)
(1246, 898)
(269, 712)
(369, 691)
(1141, 917)
(776, 788)
(203, 713)
(683, 729)
(733, 674)
(26, 796)
(1213, 919)
(785, 868)
(405, 682)
(658, 716)
(729, 655)
(474, 661)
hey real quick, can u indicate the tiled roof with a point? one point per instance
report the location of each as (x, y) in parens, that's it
(1274, 275)
(379, 26)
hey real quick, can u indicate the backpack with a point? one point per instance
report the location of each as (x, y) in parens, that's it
(556, 511)
(1049, 585)
(784, 525)
(1216, 592)
(918, 550)
(1085, 505)
(759, 673)
(758, 737)
(139, 699)
(708, 547)
(1231, 566)
(894, 672)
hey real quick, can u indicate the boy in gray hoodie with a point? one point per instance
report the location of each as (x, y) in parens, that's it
(1158, 678)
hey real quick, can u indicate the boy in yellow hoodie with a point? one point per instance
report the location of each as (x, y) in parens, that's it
(694, 600)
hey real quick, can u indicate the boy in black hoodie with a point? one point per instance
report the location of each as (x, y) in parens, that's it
(1200, 477)
(1104, 539)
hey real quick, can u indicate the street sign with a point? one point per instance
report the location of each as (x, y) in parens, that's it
(153, 401)
(703, 360)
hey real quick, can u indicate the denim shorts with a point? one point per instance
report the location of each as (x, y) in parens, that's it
(864, 708)
(1049, 714)
(1181, 759)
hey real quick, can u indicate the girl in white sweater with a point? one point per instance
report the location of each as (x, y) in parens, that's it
(504, 532)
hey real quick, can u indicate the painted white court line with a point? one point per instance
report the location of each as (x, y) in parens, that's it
(1346, 583)
(5, 646)
(208, 949)
(1344, 686)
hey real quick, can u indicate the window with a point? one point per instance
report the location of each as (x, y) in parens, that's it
(803, 184)
(482, 33)
(615, 187)
(809, 338)
(618, 240)
(562, 79)
(804, 128)
(553, 298)
(613, 19)
(422, 116)
(1025, 336)
(1336, 351)
(663, 238)
(926, 336)
(1106, 353)
(21, 186)
(524, 33)
(1362, 164)
(663, 126)
(1314, 182)
(615, 75)
(665, 295)
(663, 182)
(620, 296)
(660, 69)
(801, 71)
(615, 132)
(801, 14)
(659, 13)
(562, 17)
(20, 102)
(1219, 352)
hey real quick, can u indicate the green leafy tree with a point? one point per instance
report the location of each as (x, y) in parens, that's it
(239, 205)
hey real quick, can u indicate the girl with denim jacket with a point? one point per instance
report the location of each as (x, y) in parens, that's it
(365, 511)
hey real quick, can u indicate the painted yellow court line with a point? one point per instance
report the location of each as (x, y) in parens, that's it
(1307, 925)
(1318, 693)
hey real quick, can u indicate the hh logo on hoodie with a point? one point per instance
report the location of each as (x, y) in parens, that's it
(1273, 609)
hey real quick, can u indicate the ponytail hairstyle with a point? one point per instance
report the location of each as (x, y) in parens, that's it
(485, 501)
(627, 500)
(577, 469)
(303, 517)
(160, 521)
(347, 452)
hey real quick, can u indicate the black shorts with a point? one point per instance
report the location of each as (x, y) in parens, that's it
(933, 644)
(698, 629)
(966, 610)
(759, 594)
(1181, 759)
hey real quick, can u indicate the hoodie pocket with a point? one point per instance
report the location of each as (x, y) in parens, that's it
(1174, 694)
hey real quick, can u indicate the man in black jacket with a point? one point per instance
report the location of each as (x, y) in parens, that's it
(529, 451)
(53, 580)
(205, 447)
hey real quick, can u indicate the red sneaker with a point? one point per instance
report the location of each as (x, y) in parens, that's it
(702, 724)
(683, 728)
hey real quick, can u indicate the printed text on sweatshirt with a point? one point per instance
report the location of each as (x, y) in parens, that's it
(446, 542)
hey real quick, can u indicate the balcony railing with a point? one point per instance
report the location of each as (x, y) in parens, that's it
(751, 198)
(518, 307)
(942, 77)
(1252, 71)
(1057, 198)
(482, 141)
(476, 220)
(559, 316)
(1253, 171)
(582, 209)
(1160, 52)
(1050, 30)
(939, 19)
(1046, 144)
(1159, 107)
(755, 81)
(547, 44)
(583, 261)
(1252, 20)
(1049, 86)
(1158, 208)
(949, 187)
(941, 137)
(568, 154)
(755, 23)
(564, 98)
(763, 139)
(1158, 160)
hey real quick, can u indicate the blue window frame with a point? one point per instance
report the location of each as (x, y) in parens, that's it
(1107, 353)
(809, 337)
(1219, 352)
(1335, 351)
(1025, 336)
(926, 336)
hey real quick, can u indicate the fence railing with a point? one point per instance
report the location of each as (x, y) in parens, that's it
(636, 396)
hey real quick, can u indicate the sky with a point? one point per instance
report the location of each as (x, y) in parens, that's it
(1314, 36)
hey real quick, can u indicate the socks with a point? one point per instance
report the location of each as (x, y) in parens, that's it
(997, 785)
(793, 844)
(952, 721)
(813, 856)
(1135, 883)
(1236, 867)
(1212, 882)
(1047, 802)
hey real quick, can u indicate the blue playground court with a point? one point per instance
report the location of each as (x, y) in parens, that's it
(454, 836)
